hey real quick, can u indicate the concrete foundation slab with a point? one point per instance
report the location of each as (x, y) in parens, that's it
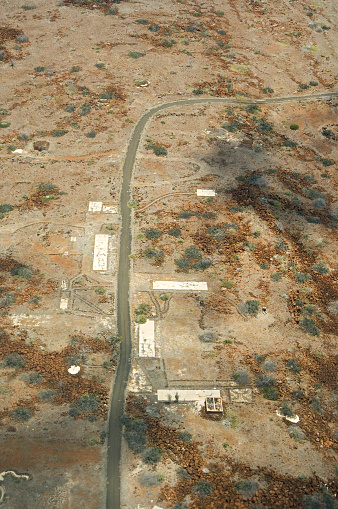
(146, 334)
(100, 261)
(205, 192)
(180, 285)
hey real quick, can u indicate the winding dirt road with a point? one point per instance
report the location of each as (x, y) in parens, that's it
(123, 310)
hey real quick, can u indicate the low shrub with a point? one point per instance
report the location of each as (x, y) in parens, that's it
(182, 264)
(265, 381)
(241, 377)
(39, 68)
(149, 479)
(276, 276)
(308, 325)
(198, 91)
(202, 488)
(217, 233)
(268, 90)
(135, 433)
(186, 214)
(303, 277)
(152, 455)
(294, 127)
(185, 436)
(320, 268)
(46, 395)
(84, 109)
(5, 207)
(154, 254)
(154, 28)
(226, 284)
(158, 150)
(269, 366)
(153, 234)
(35, 378)
(86, 404)
(142, 21)
(75, 69)
(192, 253)
(135, 54)
(57, 133)
(183, 474)
(176, 232)
(202, 264)
(207, 337)
(246, 487)
(100, 65)
(22, 38)
(91, 134)
(293, 366)
(322, 500)
(142, 309)
(270, 393)
(252, 307)
(14, 360)
(286, 410)
(20, 414)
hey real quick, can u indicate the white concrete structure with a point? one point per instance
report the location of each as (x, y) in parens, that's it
(146, 339)
(100, 261)
(73, 370)
(187, 394)
(110, 209)
(63, 303)
(180, 285)
(205, 192)
(95, 206)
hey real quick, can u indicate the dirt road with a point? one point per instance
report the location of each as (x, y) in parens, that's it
(123, 311)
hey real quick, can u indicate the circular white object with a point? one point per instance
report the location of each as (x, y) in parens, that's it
(73, 370)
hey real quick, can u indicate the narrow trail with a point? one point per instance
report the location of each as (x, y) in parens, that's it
(123, 305)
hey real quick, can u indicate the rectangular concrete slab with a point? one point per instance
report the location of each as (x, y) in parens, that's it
(95, 206)
(110, 209)
(187, 394)
(146, 334)
(100, 260)
(63, 303)
(205, 192)
(180, 285)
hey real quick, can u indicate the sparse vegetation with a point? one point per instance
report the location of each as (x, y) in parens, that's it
(14, 360)
(246, 487)
(252, 307)
(241, 377)
(203, 488)
(20, 414)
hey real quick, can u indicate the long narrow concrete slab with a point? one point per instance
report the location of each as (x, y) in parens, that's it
(205, 192)
(180, 285)
(146, 335)
(100, 260)
(187, 394)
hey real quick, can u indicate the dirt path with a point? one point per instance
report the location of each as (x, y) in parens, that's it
(123, 310)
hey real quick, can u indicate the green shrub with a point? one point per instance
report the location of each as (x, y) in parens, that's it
(135, 54)
(253, 108)
(46, 395)
(7, 299)
(268, 90)
(293, 366)
(111, 11)
(294, 127)
(241, 377)
(276, 276)
(35, 378)
(85, 109)
(75, 69)
(154, 253)
(57, 133)
(270, 393)
(182, 264)
(158, 150)
(176, 232)
(203, 488)
(22, 38)
(14, 360)
(5, 207)
(91, 134)
(99, 65)
(152, 455)
(286, 410)
(70, 108)
(303, 277)
(153, 234)
(20, 414)
(226, 284)
(269, 366)
(265, 381)
(207, 337)
(142, 21)
(217, 233)
(28, 7)
(142, 309)
(86, 404)
(4, 124)
(39, 69)
(183, 474)
(154, 28)
(192, 253)
(264, 266)
(198, 91)
(186, 214)
(100, 290)
(185, 436)
(308, 325)
(320, 268)
(246, 487)
(315, 404)
(252, 307)
(320, 501)
(135, 433)
(202, 264)
(149, 479)
(250, 246)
